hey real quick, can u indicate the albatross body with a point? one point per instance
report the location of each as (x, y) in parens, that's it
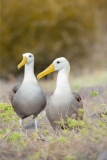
(28, 98)
(63, 103)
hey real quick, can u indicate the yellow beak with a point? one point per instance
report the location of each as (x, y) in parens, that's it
(48, 70)
(23, 62)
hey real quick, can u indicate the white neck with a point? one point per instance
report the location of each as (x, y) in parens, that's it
(63, 81)
(29, 73)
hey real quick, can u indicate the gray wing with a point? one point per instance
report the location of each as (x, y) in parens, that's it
(72, 111)
(78, 104)
(13, 92)
(15, 88)
(77, 97)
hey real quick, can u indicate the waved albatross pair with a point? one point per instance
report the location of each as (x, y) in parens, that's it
(63, 103)
(28, 98)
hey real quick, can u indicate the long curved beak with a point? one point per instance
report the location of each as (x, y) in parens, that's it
(48, 70)
(22, 63)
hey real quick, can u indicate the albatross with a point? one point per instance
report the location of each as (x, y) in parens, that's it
(63, 103)
(28, 98)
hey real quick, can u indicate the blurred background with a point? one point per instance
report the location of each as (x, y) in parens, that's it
(75, 29)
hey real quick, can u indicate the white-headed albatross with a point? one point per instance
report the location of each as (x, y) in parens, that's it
(63, 103)
(28, 98)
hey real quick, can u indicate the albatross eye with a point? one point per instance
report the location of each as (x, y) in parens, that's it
(58, 62)
(30, 56)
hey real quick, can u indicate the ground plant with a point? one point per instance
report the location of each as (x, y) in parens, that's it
(82, 140)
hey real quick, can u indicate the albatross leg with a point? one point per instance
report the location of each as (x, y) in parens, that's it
(36, 124)
(20, 122)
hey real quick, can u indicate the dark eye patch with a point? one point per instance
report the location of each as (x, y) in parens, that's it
(30, 56)
(58, 62)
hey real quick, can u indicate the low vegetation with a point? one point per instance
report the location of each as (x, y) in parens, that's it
(84, 140)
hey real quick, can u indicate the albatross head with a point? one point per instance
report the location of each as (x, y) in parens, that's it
(60, 63)
(28, 58)
(57, 65)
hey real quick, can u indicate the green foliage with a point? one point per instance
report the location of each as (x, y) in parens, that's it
(74, 123)
(61, 139)
(36, 156)
(3, 132)
(94, 93)
(7, 113)
(14, 137)
(48, 29)
(84, 131)
(7, 116)
(80, 113)
(45, 144)
(46, 132)
(69, 158)
(102, 124)
(105, 112)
